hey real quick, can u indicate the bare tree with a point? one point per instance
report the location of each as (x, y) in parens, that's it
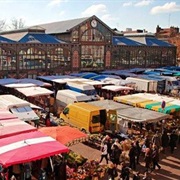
(2, 25)
(17, 23)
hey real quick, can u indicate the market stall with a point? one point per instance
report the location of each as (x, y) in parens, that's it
(110, 91)
(5, 115)
(39, 96)
(19, 107)
(27, 147)
(141, 115)
(65, 134)
(13, 126)
(153, 102)
(132, 100)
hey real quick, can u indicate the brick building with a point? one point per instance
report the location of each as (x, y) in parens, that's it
(84, 44)
(171, 35)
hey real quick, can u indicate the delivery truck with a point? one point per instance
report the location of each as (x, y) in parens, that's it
(86, 117)
(144, 85)
(67, 96)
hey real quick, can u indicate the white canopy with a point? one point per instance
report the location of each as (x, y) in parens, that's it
(20, 85)
(8, 101)
(34, 91)
(116, 88)
(24, 113)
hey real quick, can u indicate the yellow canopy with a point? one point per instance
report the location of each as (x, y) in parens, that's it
(131, 100)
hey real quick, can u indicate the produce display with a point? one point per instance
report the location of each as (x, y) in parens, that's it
(88, 171)
(75, 159)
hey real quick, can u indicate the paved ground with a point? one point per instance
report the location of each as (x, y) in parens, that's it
(170, 163)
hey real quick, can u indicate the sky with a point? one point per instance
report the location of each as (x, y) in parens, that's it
(119, 14)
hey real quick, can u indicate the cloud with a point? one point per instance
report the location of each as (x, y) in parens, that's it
(61, 13)
(107, 18)
(166, 8)
(55, 2)
(143, 3)
(95, 10)
(127, 4)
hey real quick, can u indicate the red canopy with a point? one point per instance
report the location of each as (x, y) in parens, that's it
(11, 127)
(28, 147)
(5, 114)
(64, 134)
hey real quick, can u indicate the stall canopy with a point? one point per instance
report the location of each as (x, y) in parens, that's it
(9, 127)
(116, 88)
(141, 115)
(151, 102)
(8, 101)
(5, 115)
(20, 85)
(24, 113)
(110, 104)
(34, 91)
(65, 134)
(27, 147)
(19, 107)
(130, 99)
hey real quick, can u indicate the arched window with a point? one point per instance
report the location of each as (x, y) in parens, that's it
(92, 35)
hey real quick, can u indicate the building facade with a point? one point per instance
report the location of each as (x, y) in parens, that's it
(170, 35)
(85, 44)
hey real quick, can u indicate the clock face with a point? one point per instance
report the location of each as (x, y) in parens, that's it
(93, 23)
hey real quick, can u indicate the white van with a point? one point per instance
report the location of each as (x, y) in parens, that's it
(67, 96)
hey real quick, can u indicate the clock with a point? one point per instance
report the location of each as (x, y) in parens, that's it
(93, 23)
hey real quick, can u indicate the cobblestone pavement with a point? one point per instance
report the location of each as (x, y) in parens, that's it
(170, 163)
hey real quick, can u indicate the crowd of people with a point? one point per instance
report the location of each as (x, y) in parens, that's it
(146, 153)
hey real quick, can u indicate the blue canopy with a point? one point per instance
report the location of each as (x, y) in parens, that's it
(152, 41)
(89, 75)
(33, 81)
(121, 40)
(39, 38)
(5, 40)
(8, 81)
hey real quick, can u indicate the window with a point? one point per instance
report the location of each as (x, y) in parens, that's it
(95, 119)
(92, 35)
(58, 57)
(7, 59)
(92, 56)
(66, 111)
(32, 58)
(75, 36)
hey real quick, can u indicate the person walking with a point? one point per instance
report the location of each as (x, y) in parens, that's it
(125, 172)
(173, 140)
(165, 141)
(156, 139)
(132, 156)
(112, 171)
(148, 157)
(138, 151)
(115, 155)
(104, 154)
(155, 157)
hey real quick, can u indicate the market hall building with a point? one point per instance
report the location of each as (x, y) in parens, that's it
(84, 44)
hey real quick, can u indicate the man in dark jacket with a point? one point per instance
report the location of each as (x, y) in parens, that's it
(165, 140)
(173, 140)
(132, 156)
